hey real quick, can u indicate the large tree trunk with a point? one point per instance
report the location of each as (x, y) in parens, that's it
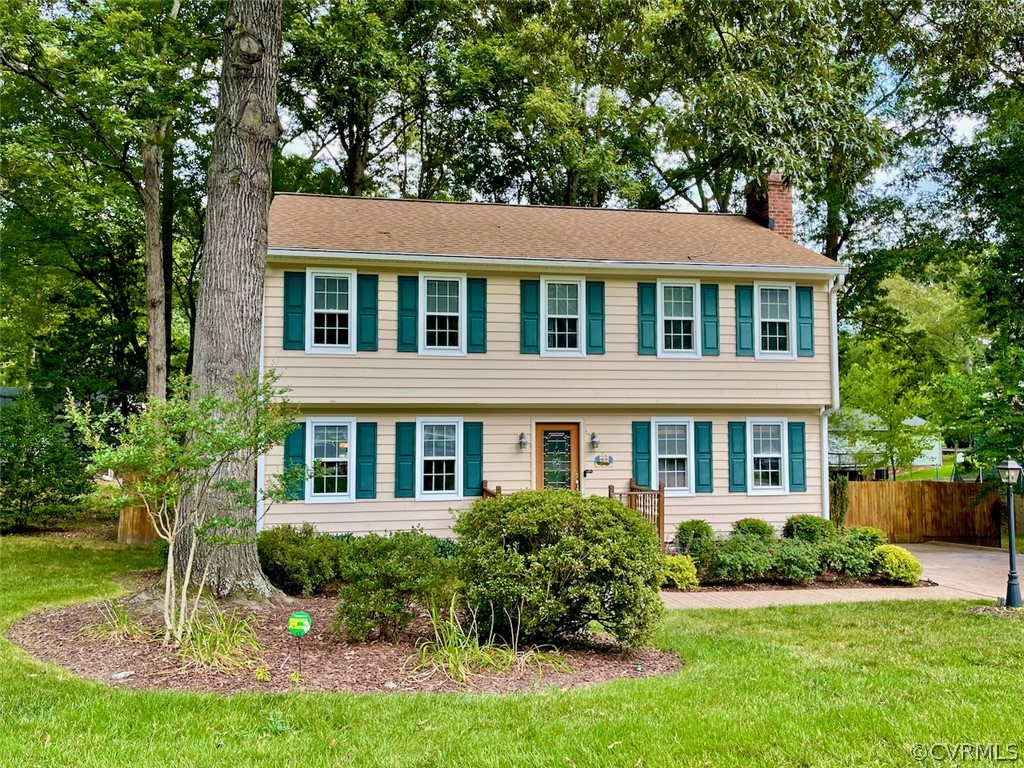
(167, 235)
(156, 329)
(229, 316)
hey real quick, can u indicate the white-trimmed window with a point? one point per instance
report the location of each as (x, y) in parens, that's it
(678, 319)
(438, 458)
(672, 450)
(330, 444)
(443, 314)
(774, 316)
(563, 327)
(329, 312)
(767, 452)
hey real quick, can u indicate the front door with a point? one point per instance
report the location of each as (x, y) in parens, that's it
(558, 456)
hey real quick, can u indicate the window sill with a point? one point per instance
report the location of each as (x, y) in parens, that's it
(561, 353)
(678, 493)
(769, 492)
(330, 351)
(426, 352)
(679, 355)
(329, 499)
(438, 497)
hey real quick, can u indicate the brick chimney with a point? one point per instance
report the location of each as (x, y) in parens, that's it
(771, 205)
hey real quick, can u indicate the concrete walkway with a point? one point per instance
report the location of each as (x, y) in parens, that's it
(961, 573)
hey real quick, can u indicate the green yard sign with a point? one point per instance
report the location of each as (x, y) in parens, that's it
(299, 623)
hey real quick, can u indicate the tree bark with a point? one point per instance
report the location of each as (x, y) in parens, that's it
(229, 315)
(167, 236)
(156, 329)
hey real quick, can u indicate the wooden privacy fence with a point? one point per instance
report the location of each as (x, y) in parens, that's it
(912, 512)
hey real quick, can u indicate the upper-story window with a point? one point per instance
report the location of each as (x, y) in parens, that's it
(329, 318)
(678, 310)
(439, 463)
(562, 304)
(766, 451)
(774, 307)
(673, 452)
(330, 446)
(443, 321)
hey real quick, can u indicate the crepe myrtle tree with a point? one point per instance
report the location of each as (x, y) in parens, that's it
(175, 449)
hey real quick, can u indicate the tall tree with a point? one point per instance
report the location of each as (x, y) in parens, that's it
(117, 73)
(234, 260)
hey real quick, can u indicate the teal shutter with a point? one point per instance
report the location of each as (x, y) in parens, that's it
(366, 321)
(805, 321)
(405, 460)
(473, 458)
(745, 320)
(595, 317)
(294, 310)
(702, 448)
(709, 319)
(642, 453)
(529, 317)
(366, 459)
(647, 318)
(797, 457)
(737, 456)
(295, 456)
(408, 306)
(476, 315)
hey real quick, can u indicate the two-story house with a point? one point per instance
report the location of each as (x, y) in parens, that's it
(432, 346)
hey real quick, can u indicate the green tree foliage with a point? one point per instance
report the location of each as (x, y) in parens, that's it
(42, 474)
(879, 399)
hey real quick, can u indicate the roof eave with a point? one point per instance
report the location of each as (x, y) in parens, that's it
(499, 261)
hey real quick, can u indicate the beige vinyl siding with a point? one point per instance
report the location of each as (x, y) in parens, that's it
(505, 464)
(503, 376)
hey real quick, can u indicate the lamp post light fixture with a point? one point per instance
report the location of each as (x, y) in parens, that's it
(1009, 473)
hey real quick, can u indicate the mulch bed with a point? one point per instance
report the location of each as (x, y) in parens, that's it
(328, 664)
(774, 586)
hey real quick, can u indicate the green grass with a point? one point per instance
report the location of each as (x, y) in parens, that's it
(838, 685)
(928, 473)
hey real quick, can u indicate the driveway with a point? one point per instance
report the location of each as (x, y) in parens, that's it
(961, 573)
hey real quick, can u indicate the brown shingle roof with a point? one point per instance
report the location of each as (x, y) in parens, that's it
(376, 225)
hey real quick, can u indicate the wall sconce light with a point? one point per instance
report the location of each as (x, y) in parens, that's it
(522, 441)
(595, 441)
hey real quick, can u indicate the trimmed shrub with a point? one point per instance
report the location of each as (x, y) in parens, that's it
(680, 572)
(847, 557)
(384, 577)
(896, 565)
(540, 566)
(445, 548)
(752, 526)
(795, 560)
(741, 557)
(696, 539)
(867, 536)
(300, 561)
(809, 528)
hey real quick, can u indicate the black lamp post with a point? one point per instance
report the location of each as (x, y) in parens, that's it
(1009, 473)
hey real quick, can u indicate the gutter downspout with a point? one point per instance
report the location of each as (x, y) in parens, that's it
(835, 284)
(261, 460)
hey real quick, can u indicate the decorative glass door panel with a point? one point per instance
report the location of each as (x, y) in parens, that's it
(558, 456)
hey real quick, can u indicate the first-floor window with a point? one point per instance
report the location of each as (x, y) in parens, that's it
(439, 457)
(767, 455)
(672, 452)
(331, 449)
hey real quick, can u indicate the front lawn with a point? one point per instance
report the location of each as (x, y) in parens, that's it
(840, 685)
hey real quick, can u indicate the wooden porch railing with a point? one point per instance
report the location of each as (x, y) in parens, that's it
(648, 502)
(491, 492)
